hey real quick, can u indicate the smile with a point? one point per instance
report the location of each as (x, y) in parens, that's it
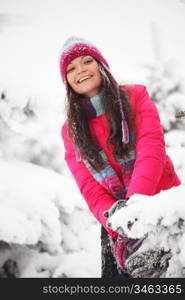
(84, 78)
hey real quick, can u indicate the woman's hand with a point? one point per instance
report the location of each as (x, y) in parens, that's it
(116, 206)
(151, 263)
(122, 246)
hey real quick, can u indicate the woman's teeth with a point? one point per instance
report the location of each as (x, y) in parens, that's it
(84, 78)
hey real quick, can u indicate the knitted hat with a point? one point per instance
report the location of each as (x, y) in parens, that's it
(75, 47)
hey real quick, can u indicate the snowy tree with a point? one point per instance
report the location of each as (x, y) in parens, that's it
(168, 92)
(46, 228)
(166, 84)
(26, 136)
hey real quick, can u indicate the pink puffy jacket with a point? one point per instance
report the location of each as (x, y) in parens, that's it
(153, 169)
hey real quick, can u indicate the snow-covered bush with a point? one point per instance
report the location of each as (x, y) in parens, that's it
(27, 133)
(162, 217)
(167, 90)
(45, 227)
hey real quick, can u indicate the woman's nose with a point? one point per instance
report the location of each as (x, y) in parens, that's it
(81, 68)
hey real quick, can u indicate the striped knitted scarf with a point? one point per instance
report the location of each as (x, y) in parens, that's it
(107, 177)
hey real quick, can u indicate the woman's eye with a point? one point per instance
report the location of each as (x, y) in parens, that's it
(70, 70)
(88, 61)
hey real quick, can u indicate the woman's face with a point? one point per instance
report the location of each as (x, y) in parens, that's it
(83, 76)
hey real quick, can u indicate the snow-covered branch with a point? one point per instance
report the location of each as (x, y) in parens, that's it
(161, 216)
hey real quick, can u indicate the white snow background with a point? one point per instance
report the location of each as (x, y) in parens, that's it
(46, 229)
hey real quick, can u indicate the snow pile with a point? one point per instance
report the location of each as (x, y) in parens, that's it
(26, 205)
(161, 216)
(44, 225)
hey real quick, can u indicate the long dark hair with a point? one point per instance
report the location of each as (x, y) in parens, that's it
(78, 129)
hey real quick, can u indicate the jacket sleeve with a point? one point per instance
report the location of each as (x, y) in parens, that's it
(150, 145)
(97, 198)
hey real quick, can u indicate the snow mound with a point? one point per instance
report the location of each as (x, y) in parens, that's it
(29, 206)
(162, 217)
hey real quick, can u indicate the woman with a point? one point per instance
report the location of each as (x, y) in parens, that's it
(114, 144)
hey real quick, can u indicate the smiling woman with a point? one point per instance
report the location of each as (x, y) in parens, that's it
(114, 145)
(83, 75)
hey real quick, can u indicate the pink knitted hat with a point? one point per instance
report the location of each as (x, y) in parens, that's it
(75, 47)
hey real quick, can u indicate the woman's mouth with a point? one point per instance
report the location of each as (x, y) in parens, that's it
(84, 78)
